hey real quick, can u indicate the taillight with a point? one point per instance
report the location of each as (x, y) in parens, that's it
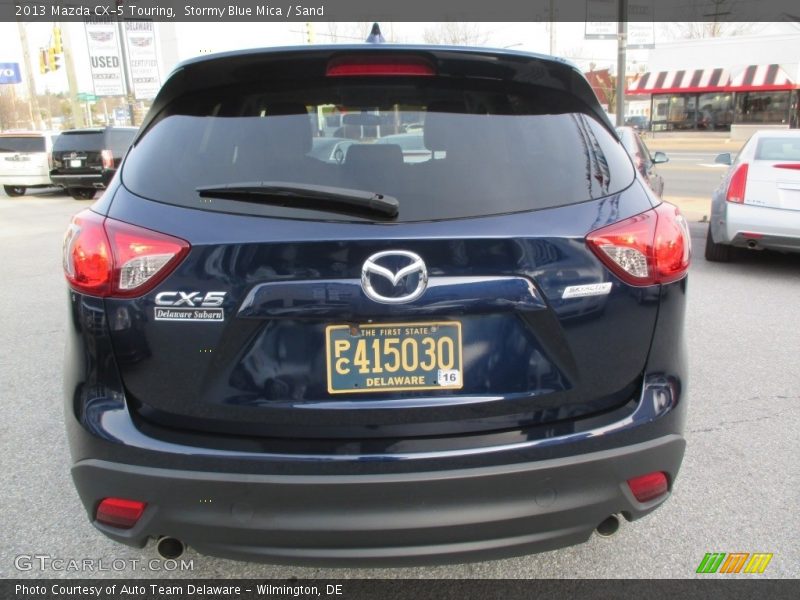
(737, 185)
(645, 249)
(119, 512)
(649, 487)
(353, 66)
(108, 159)
(87, 255)
(795, 166)
(104, 257)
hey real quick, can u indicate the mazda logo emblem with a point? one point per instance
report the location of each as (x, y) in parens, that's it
(394, 277)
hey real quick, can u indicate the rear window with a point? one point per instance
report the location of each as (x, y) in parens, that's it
(91, 140)
(443, 151)
(783, 148)
(23, 143)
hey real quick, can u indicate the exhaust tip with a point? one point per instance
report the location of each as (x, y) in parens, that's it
(752, 244)
(170, 547)
(609, 526)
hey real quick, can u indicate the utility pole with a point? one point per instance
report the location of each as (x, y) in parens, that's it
(72, 80)
(552, 27)
(33, 101)
(622, 40)
(126, 72)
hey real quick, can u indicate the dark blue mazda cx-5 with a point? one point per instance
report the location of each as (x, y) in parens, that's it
(374, 305)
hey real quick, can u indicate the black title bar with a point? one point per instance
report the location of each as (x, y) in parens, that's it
(714, 588)
(400, 10)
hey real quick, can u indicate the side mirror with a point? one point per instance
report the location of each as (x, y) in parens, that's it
(724, 159)
(660, 157)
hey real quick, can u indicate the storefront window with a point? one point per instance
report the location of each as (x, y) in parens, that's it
(682, 112)
(762, 107)
(658, 112)
(715, 112)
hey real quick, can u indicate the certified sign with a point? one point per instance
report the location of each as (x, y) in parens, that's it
(104, 58)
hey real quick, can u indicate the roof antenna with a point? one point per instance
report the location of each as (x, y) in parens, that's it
(375, 36)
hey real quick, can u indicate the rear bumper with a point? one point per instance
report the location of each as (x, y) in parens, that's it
(25, 180)
(383, 519)
(84, 180)
(775, 229)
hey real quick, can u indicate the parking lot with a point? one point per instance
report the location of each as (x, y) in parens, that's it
(737, 492)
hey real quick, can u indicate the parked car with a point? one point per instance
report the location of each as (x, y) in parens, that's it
(638, 122)
(85, 160)
(279, 358)
(25, 161)
(757, 204)
(644, 161)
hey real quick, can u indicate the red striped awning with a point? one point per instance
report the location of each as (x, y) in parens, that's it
(761, 78)
(750, 78)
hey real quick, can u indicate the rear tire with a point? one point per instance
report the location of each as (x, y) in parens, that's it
(716, 252)
(81, 193)
(13, 191)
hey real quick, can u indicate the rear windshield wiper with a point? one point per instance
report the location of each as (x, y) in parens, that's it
(308, 196)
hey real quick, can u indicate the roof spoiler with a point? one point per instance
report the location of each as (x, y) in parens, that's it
(283, 64)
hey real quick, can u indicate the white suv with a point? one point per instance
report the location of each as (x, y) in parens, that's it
(25, 161)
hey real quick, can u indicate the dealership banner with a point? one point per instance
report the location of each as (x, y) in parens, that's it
(140, 43)
(104, 58)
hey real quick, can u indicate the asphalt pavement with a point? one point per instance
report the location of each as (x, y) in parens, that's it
(737, 490)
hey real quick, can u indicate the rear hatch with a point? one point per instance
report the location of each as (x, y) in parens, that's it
(373, 294)
(23, 156)
(79, 152)
(774, 176)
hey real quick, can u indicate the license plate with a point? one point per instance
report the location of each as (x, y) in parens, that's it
(393, 357)
(75, 164)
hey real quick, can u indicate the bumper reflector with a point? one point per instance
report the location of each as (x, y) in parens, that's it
(648, 487)
(119, 512)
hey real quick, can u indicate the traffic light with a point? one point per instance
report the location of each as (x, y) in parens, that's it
(51, 59)
(43, 67)
(57, 46)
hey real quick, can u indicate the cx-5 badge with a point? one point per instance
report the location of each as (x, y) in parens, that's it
(405, 284)
(189, 306)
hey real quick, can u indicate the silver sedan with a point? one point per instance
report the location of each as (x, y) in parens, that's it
(757, 204)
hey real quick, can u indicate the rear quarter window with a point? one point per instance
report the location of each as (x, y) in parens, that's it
(477, 150)
(119, 140)
(22, 144)
(89, 141)
(784, 148)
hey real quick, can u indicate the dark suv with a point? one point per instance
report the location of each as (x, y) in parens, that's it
(85, 160)
(377, 358)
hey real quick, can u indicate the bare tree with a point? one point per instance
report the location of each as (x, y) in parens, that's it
(14, 112)
(708, 29)
(714, 18)
(456, 34)
(347, 33)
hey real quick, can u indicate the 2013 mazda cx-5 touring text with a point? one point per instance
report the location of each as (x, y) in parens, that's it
(374, 305)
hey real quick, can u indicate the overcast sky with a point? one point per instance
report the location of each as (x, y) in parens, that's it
(196, 38)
